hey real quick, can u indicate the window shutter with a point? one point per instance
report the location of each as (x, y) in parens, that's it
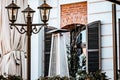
(93, 46)
(47, 51)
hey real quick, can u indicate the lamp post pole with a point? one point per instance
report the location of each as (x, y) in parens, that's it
(29, 30)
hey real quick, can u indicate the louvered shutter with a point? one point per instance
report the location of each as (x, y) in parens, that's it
(93, 46)
(47, 51)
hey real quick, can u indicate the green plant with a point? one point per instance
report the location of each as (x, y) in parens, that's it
(14, 77)
(2, 77)
(64, 78)
(73, 60)
(10, 77)
(81, 75)
(98, 75)
(56, 78)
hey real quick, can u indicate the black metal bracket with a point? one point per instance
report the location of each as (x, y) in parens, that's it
(22, 28)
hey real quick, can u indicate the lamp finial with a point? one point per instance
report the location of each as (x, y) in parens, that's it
(12, 1)
(44, 1)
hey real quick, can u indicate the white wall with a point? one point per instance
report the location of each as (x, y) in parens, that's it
(97, 10)
(54, 14)
(102, 10)
(40, 47)
(34, 42)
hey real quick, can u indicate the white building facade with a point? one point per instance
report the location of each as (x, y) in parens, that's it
(96, 10)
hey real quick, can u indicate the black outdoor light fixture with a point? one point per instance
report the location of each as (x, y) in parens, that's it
(12, 12)
(28, 27)
(28, 12)
(44, 11)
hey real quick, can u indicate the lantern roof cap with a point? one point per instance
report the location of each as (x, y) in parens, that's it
(44, 5)
(12, 5)
(28, 9)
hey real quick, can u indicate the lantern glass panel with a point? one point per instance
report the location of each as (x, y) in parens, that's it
(26, 15)
(44, 14)
(12, 14)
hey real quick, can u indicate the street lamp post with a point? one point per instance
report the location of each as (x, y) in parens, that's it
(31, 28)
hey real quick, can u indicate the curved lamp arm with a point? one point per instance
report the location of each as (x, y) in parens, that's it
(36, 30)
(21, 30)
